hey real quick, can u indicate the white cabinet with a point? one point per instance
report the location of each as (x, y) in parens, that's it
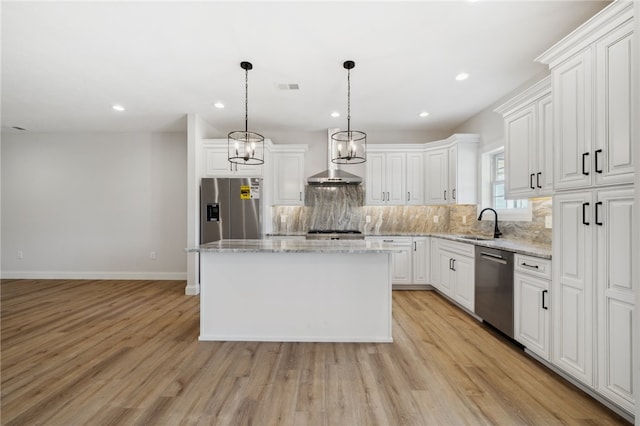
(436, 175)
(613, 154)
(592, 82)
(532, 281)
(216, 163)
(572, 292)
(450, 170)
(411, 265)
(415, 178)
(615, 293)
(386, 180)
(528, 132)
(593, 258)
(288, 178)
(421, 258)
(456, 272)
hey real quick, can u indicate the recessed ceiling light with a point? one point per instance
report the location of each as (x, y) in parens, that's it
(335, 114)
(118, 108)
(424, 114)
(219, 105)
(462, 76)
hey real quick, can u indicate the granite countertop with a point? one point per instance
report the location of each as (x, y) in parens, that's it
(296, 246)
(520, 247)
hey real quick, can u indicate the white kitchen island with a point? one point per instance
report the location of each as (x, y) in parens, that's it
(295, 290)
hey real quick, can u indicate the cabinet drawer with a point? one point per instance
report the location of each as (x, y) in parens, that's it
(456, 247)
(396, 241)
(533, 266)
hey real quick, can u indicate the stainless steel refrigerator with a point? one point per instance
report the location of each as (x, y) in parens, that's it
(230, 208)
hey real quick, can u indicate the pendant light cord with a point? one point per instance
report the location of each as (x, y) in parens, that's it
(348, 100)
(246, 101)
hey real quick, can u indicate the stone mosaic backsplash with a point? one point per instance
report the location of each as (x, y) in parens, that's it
(342, 207)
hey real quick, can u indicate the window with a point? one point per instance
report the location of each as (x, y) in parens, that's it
(498, 185)
(493, 186)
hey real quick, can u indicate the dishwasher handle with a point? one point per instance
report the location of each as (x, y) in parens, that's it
(493, 257)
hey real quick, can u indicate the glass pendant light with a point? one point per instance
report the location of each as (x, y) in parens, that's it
(245, 147)
(350, 146)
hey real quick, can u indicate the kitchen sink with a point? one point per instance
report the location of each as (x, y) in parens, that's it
(474, 238)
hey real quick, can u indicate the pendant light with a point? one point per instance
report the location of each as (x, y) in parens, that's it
(350, 146)
(245, 147)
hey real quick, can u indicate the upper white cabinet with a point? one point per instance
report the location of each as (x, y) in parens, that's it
(386, 178)
(436, 175)
(216, 163)
(415, 178)
(591, 76)
(450, 170)
(528, 132)
(288, 178)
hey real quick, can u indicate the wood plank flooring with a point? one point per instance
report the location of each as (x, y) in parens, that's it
(127, 352)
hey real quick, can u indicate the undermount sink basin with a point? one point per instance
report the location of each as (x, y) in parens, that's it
(474, 237)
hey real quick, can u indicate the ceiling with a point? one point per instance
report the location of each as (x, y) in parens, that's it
(65, 64)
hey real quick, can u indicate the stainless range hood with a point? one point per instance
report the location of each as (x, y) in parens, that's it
(333, 175)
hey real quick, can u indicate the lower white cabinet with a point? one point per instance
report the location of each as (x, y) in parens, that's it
(455, 277)
(411, 264)
(531, 281)
(420, 260)
(593, 293)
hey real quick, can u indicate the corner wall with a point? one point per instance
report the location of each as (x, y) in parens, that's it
(94, 205)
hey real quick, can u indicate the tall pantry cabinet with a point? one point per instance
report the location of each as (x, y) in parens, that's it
(593, 293)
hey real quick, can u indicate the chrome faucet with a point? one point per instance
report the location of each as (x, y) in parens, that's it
(496, 231)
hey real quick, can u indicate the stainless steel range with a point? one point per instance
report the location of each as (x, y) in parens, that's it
(334, 234)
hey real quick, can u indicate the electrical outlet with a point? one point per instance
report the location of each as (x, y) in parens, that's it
(547, 221)
(367, 219)
(464, 220)
(283, 218)
(20, 254)
(152, 255)
(435, 219)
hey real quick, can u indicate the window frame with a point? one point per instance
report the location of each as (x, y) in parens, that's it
(524, 214)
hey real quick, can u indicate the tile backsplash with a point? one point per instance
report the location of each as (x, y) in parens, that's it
(342, 207)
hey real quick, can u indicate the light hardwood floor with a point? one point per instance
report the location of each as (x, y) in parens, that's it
(127, 352)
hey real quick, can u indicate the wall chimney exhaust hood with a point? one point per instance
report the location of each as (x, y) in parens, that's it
(333, 175)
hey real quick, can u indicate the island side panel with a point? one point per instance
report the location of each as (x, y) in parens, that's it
(305, 297)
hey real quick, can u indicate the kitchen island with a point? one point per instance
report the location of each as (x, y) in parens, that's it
(295, 290)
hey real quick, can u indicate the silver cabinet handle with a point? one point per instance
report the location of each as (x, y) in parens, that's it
(300, 196)
(408, 196)
(445, 194)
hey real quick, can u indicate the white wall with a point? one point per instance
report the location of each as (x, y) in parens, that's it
(94, 205)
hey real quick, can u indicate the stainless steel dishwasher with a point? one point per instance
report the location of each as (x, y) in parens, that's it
(494, 288)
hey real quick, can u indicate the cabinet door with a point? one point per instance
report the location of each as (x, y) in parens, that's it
(421, 257)
(531, 313)
(520, 153)
(288, 179)
(451, 194)
(415, 178)
(434, 263)
(395, 178)
(572, 106)
(572, 292)
(615, 295)
(445, 284)
(402, 271)
(544, 142)
(376, 171)
(464, 285)
(436, 175)
(613, 155)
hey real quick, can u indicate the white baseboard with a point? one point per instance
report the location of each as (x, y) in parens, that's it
(192, 290)
(93, 275)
